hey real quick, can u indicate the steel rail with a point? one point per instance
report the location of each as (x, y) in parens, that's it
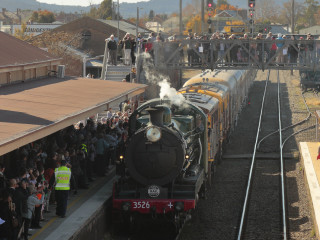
(295, 133)
(282, 173)
(245, 204)
(291, 126)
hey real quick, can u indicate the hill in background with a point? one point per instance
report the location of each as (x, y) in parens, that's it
(12, 5)
(126, 9)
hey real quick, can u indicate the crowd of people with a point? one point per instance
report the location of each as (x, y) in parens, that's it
(201, 49)
(27, 175)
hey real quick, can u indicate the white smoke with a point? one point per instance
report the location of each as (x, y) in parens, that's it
(167, 91)
(156, 78)
(151, 74)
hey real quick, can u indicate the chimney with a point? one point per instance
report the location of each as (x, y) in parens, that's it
(4, 10)
(156, 116)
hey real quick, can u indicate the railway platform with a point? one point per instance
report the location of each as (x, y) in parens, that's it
(309, 152)
(86, 216)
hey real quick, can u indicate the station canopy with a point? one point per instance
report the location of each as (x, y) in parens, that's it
(32, 110)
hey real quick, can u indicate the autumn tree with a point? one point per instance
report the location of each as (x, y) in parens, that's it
(222, 2)
(61, 44)
(21, 33)
(44, 16)
(194, 22)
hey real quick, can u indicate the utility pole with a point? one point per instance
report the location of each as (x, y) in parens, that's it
(180, 17)
(202, 16)
(118, 17)
(112, 13)
(137, 24)
(292, 16)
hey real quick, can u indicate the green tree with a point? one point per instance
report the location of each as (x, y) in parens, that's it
(93, 12)
(151, 15)
(312, 7)
(105, 10)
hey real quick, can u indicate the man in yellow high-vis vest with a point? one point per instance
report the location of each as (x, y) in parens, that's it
(62, 187)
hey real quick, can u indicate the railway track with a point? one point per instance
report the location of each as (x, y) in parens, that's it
(269, 205)
(218, 217)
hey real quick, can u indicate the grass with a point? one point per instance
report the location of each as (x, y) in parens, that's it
(312, 233)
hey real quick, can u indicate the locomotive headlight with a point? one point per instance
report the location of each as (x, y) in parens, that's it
(153, 134)
(303, 75)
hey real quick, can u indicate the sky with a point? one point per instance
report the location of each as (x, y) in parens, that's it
(84, 2)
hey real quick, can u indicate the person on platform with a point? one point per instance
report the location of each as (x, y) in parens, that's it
(112, 46)
(101, 150)
(127, 49)
(31, 202)
(62, 187)
(3, 180)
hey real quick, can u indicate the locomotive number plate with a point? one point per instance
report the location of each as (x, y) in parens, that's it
(142, 204)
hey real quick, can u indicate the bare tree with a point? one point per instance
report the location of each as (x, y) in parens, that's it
(267, 10)
(286, 12)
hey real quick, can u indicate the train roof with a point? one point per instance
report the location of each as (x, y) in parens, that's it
(205, 102)
(226, 77)
(214, 87)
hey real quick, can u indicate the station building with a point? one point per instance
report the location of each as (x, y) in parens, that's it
(92, 33)
(35, 105)
(21, 61)
(95, 31)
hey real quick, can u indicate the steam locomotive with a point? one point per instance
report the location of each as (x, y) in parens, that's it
(173, 147)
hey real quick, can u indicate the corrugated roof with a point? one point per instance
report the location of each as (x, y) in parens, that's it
(94, 63)
(313, 30)
(279, 29)
(124, 26)
(14, 52)
(35, 109)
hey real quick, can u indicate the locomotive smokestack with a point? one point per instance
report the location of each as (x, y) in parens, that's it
(156, 116)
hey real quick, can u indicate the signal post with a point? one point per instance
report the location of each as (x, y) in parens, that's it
(210, 14)
(251, 4)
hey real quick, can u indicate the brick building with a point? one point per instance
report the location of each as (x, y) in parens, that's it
(20, 61)
(95, 31)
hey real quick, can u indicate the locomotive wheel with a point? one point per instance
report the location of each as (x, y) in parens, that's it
(178, 223)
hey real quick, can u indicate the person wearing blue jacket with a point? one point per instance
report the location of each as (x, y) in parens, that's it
(280, 45)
